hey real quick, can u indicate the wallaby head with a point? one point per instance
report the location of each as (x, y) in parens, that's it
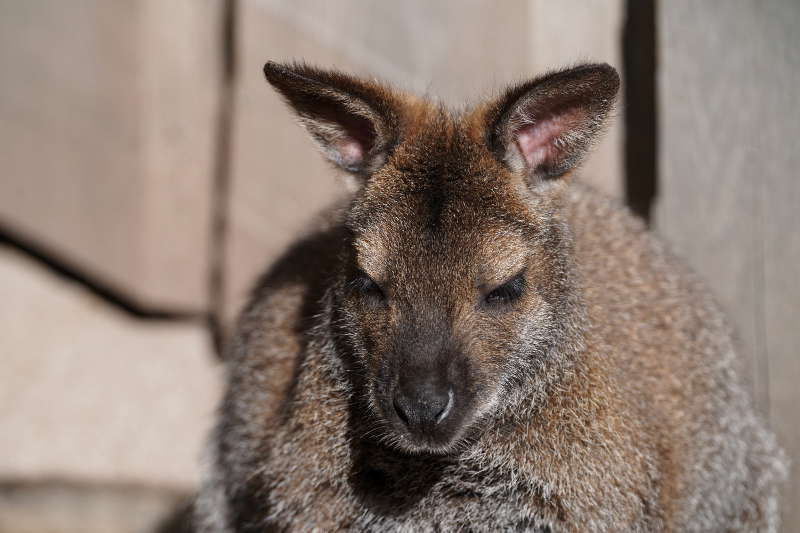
(455, 283)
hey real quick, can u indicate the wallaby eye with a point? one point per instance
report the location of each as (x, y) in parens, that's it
(367, 286)
(507, 293)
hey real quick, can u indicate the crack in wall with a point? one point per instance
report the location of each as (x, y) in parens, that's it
(65, 269)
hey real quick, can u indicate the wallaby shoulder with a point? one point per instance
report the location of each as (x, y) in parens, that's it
(668, 346)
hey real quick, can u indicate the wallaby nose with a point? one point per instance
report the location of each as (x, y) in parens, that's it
(424, 405)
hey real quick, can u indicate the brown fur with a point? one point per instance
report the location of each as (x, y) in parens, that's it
(603, 398)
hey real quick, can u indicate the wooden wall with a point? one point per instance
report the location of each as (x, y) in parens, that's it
(729, 181)
(143, 150)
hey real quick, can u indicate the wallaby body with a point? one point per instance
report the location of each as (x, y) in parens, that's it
(473, 343)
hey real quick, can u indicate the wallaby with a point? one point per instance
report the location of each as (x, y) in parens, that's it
(475, 342)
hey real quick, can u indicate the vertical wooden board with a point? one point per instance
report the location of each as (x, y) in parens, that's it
(182, 55)
(107, 116)
(68, 143)
(728, 181)
(452, 49)
(778, 129)
(707, 199)
(457, 50)
(782, 312)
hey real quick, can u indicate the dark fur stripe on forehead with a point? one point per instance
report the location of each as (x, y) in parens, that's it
(440, 169)
(432, 166)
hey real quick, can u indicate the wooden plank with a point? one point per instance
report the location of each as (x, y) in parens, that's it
(777, 163)
(89, 395)
(728, 189)
(107, 129)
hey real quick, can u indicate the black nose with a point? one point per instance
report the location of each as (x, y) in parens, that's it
(423, 405)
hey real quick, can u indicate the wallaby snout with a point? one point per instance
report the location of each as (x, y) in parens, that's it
(428, 402)
(421, 406)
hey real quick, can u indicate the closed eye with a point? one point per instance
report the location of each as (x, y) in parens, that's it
(508, 292)
(366, 286)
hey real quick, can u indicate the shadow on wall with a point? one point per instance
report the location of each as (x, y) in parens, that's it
(71, 507)
(641, 116)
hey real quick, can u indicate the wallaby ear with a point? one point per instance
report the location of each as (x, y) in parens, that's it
(544, 127)
(355, 122)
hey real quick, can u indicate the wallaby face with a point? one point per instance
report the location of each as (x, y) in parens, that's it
(438, 297)
(455, 269)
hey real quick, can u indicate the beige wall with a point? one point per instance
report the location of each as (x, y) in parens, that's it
(108, 114)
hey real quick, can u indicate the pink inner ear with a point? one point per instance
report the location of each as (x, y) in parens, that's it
(350, 150)
(541, 142)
